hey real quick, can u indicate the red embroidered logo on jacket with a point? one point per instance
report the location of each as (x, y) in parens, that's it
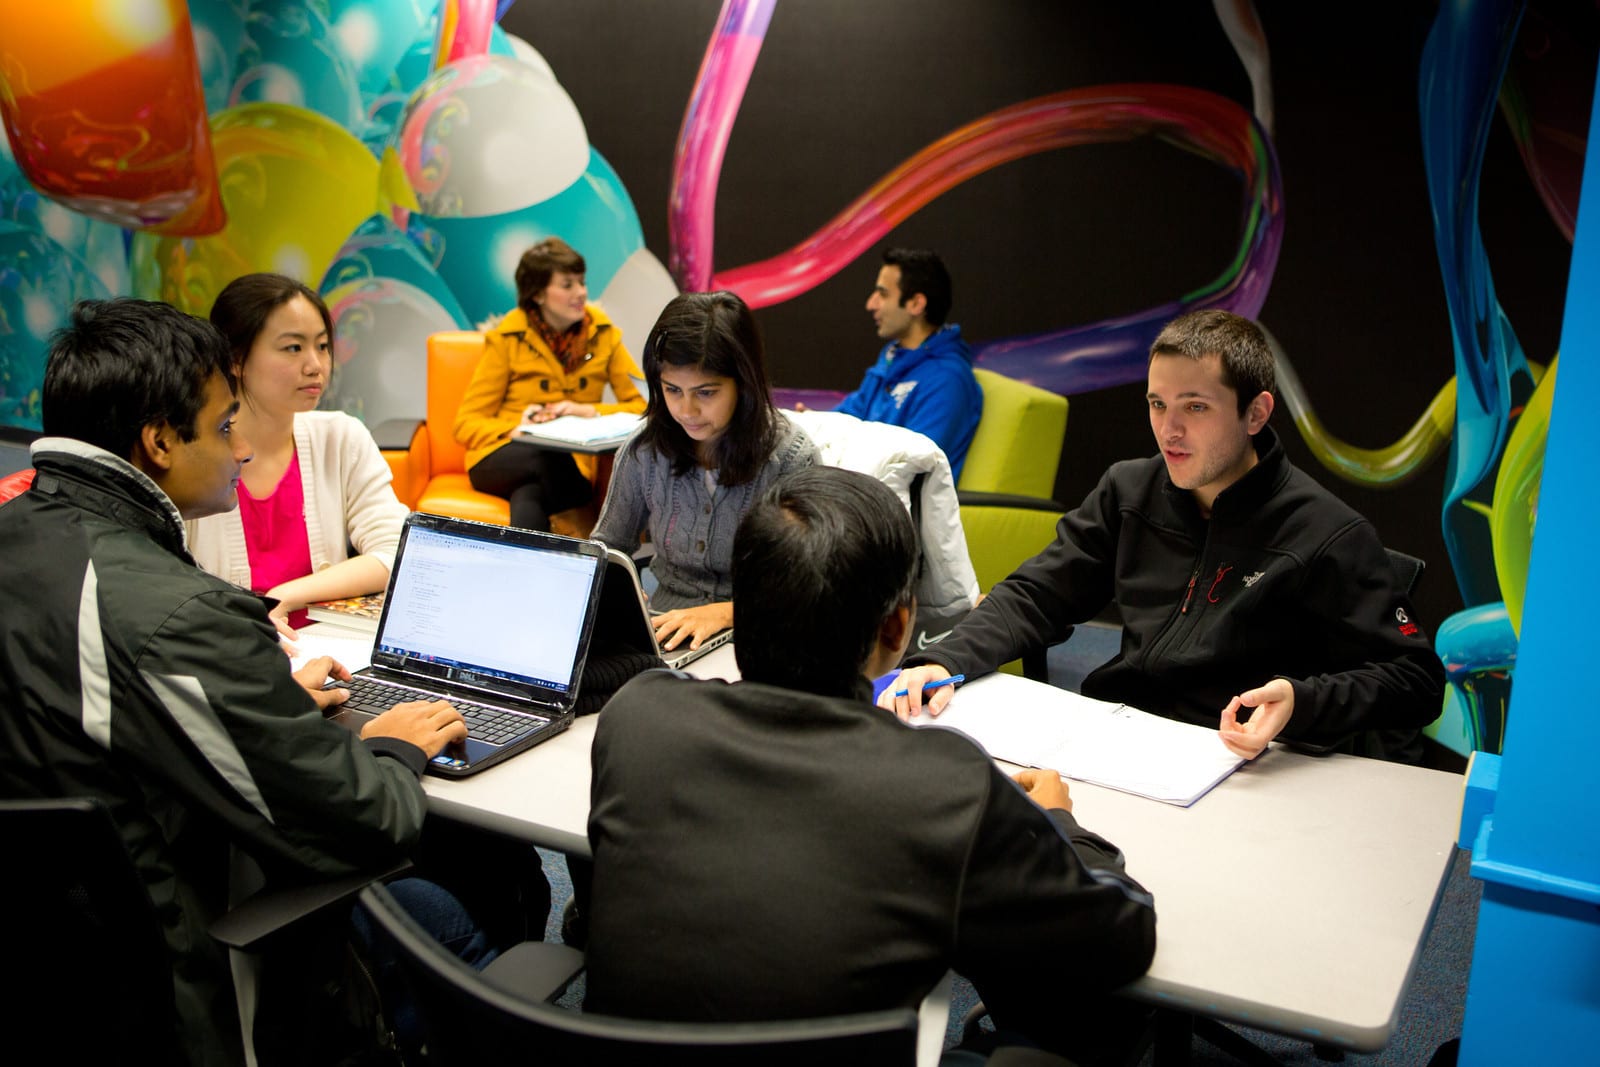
(1406, 627)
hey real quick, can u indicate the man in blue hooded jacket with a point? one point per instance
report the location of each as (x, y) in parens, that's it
(923, 377)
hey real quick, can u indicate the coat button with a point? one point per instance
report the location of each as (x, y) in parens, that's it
(700, 546)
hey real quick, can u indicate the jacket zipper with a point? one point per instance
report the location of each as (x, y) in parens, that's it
(1184, 610)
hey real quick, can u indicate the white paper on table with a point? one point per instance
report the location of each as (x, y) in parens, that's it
(1091, 740)
(351, 649)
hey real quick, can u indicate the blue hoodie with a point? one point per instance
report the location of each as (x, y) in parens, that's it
(929, 389)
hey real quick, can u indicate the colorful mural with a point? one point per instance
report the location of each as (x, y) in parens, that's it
(398, 154)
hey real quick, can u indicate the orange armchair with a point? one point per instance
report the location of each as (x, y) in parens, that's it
(429, 467)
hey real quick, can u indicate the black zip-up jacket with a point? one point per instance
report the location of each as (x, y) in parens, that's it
(131, 675)
(763, 853)
(1284, 580)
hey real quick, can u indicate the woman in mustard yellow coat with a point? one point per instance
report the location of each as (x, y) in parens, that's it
(554, 355)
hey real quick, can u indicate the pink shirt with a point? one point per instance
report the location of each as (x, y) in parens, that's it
(275, 535)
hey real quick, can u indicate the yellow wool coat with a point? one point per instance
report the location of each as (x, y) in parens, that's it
(518, 369)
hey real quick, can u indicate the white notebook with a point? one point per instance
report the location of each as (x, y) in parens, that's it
(601, 433)
(1091, 740)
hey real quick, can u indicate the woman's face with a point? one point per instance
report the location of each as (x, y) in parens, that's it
(563, 300)
(701, 402)
(287, 367)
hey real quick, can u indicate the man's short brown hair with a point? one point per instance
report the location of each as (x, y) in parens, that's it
(1248, 367)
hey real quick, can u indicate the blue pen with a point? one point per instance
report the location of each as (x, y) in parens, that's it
(952, 680)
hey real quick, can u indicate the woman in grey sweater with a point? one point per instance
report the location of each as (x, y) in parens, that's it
(710, 443)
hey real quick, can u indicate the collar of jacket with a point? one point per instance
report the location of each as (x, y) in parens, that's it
(942, 343)
(516, 322)
(1245, 496)
(105, 482)
(859, 689)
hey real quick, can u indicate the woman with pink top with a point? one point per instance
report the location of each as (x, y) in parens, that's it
(318, 486)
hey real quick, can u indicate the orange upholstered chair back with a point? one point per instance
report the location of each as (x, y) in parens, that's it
(452, 357)
(15, 484)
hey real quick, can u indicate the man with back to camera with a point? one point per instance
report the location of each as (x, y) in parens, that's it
(1252, 599)
(136, 678)
(922, 379)
(779, 848)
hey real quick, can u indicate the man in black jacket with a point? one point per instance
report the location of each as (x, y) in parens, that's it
(134, 677)
(1252, 599)
(779, 848)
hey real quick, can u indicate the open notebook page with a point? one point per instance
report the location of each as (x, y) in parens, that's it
(1091, 740)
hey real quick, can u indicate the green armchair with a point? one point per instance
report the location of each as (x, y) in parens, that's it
(1006, 484)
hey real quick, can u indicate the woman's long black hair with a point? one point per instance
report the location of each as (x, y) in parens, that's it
(717, 333)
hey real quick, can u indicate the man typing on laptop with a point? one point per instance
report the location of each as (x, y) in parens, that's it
(134, 677)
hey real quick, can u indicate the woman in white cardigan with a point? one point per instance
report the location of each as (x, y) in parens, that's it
(317, 484)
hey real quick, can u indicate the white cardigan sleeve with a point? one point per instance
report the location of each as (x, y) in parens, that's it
(350, 501)
(217, 544)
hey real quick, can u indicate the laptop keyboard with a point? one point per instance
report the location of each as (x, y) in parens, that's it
(494, 726)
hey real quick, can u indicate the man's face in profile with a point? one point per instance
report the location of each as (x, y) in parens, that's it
(893, 320)
(203, 476)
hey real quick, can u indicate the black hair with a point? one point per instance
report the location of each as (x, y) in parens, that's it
(717, 333)
(242, 308)
(922, 272)
(539, 264)
(125, 364)
(1248, 367)
(825, 552)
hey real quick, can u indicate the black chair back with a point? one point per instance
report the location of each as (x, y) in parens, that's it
(91, 977)
(480, 1024)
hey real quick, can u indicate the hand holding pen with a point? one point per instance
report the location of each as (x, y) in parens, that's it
(929, 684)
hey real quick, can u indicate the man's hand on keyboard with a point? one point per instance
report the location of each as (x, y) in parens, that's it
(428, 724)
(318, 673)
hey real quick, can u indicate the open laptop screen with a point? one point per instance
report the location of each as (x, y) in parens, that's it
(502, 610)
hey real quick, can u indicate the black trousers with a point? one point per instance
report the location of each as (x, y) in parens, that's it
(536, 481)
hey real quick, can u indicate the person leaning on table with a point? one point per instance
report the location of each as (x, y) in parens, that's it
(1252, 599)
(806, 854)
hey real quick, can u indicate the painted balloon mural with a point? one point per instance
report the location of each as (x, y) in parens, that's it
(380, 149)
(360, 145)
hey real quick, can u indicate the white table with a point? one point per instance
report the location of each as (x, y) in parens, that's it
(1294, 897)
(542, 796)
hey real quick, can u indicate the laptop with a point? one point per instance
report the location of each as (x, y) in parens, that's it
(494, 619)
(625, 616)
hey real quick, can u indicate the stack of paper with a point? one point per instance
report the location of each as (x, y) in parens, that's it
(1091, 740)
(351, 650)
(599, 434)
